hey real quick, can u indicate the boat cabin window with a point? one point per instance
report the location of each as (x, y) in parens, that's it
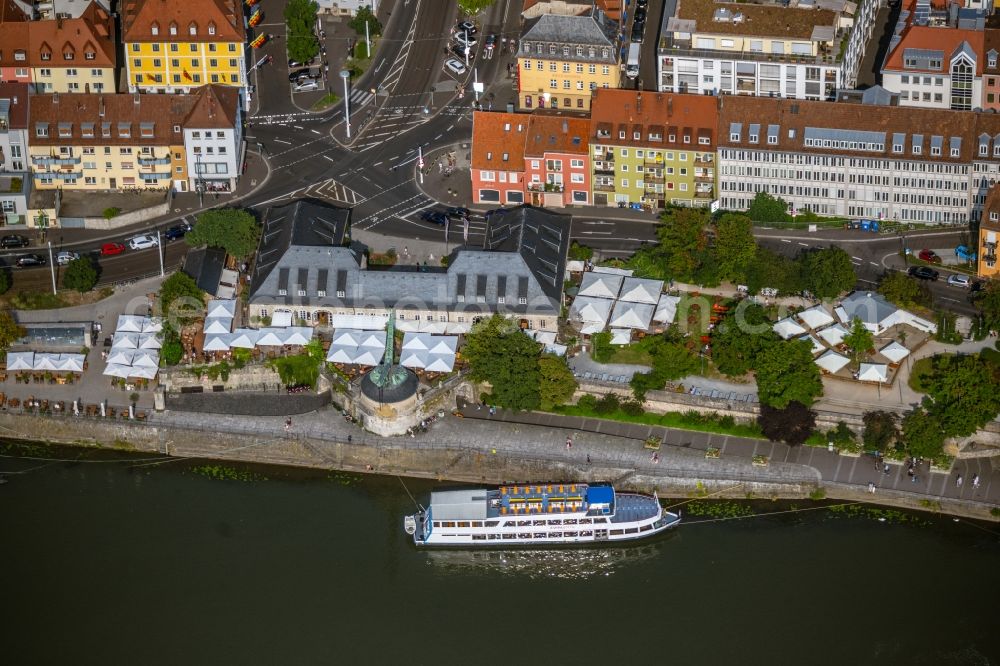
(437, 523)
(509, 536)
(585, 521)
(447, 524)
(538, 523)
(477, 523)
(616, 532)
(492, 523)
(570, 521)
(631, 530)
(523, 523)
(600, 520)
(463, 523)
(479, 537)
(555, 522)
(494, 536)
(646, 528)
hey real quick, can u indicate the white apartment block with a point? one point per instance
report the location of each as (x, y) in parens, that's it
(806, 50)
(919, 166)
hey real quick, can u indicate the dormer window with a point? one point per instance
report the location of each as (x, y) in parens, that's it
(604, 53)
(687, 138)
(636, 136)
(735, 136)
(68, 55)
(20, 55)
(992, 61)
(89, 55)
(897, 147)
(46, 55)
(193, 28)
(621, 134)
(753, 138)
(211, 28)
(916, 150)
(173, 28)
(954, 152)
(155, 28)
(506, 157)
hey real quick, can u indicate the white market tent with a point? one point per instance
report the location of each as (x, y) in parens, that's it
(146, 359)
(217, 342)
(599, 285)
(440, 363)
(832, 362)
(117, 370)
(20, 360)
(271, 337)
(816, 317)
(46, 361)
(143, 372)
(361, 322)
(345, 337)
(125, 341)
(367, 356)
(590, 310)
(873, 372)
(121, 356)
(894, 351)
(298, 335)
(788, 328)
(341, 354)
(666, 309)
(71, 362)
(816, 346)
(641, 290)
(833, 335)
(244, 338)
(371, 339)
(152, 325)
(148, 341)
(591, 327)
(217, 325)
(129, 323)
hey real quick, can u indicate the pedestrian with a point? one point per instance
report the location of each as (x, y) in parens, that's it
(871, 487)
(569, 443)
(913, 478)
(349, 439)
(958, 481)
(656, 458)
(975, 481)
(588, 458)
(886, 468)
(288, 424)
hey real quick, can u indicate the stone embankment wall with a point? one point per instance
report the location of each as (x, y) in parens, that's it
(249, 378)
(125, 219)
(451, 463)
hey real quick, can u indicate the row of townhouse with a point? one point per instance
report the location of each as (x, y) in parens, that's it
(100, 142)
(913, 165)
(635, 148)
(169, 46)
(63, 54)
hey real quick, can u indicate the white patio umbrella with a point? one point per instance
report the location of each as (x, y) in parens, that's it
(117, 370)
(125, 341)
(832, 362)
(873, 372)
(121, 356)
(416, 341)
(271, 337)
(440, 344)
(366, 357)
(217, 342)
(433, 326)
(413, 359)
(129, 324)
(440, 363)
(46, 361)
(217, 325)
(372, 339)
(71, 362)
(341, 354)
(298, 335)
(281, 319)
(145, 359)
(142, 372)
(895, 352)
(149, 341)
(152, 325)
(244, 338)
(20, 360)
(344, 337)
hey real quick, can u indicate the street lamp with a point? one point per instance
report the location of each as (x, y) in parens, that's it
(346, 75)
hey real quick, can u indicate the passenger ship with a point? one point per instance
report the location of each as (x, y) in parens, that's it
(537, 515)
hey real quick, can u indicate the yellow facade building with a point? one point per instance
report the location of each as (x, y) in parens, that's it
(179, 45)
(989, 232)
(562, 59)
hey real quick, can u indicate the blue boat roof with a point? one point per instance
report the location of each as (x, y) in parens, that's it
(600, 495)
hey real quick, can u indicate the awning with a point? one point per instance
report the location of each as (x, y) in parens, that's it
(20, 360)
(116, 370)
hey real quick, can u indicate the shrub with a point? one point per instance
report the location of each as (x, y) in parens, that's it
(607, 404)
(588, 402)
(632, 407)
(111, 212)
(602, 349)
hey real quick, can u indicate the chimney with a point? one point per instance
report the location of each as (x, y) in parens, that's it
(565, 126)
(100, 107)
(670, 106)
(135, 99)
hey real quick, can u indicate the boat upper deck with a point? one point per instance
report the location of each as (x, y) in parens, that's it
(550, 499)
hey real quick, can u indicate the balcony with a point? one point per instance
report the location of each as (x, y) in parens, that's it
(704, 160)
(52, 160)
(703, 194)
(704, 178)
(656, 176)
(604, 187)
(607, 168)
(545, 187)
(154, 161)
(652, 164)
(651, 188)
(155, 176)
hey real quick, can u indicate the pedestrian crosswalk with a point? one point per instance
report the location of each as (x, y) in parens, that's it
(334, 191)
(360, 97)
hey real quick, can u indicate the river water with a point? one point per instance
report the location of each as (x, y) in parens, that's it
(105, 563)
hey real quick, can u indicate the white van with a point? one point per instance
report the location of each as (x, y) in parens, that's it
(632, 64)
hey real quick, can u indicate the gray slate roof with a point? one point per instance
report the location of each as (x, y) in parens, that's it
(868, 307)
(526, 258)
(594, 29)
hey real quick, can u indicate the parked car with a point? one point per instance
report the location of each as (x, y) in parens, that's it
(13, 240)
(457, 211)
(640, 15)
(641, 3)
(434, 216)
(930, 256)
(29, 260)
(143, 242)
(111, 249)
(459, 38)
(64, 258)
(177, 231)
(295, 77)
(459, 51)
(958, 280)
(296, 63)
(977, 287)
(491, 41)
(637, 29)
(924, 273)
(965, 253)
(454, 66)
(467, 26)
(306, 85)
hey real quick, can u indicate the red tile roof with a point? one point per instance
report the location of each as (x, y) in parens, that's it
(495, 134)
(556, 132)
(92, 33)
(225, 16)
(946, 40)
(613, 111)
(17, 93)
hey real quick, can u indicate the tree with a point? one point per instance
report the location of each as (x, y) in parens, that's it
(681, 247)
(963, 394)
(474, 7)
(600, 347)
(10, 330)
(181, 301)
(735, 247)
(364, 15)
(80, 274)
(672, 360)
(859, 340)
(556, 383)
(766, 208)
(739, 338)
(580, 252)
(786, 373)
(923, 434)
(500, 353)
(300, 17)
(172, 350)
(880, 430)
(771, 270)
(904, 291)
(4, 281)
(235, 231)
(302, 47)
(988, 302)
(828, 272)
(792, 424)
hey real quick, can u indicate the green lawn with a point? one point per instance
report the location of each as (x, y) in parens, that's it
(920, 369)
(680, 420)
